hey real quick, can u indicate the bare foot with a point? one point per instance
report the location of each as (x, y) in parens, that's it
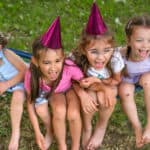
(14, 142)
(146, 135)
(96, 139)
(138, 135)
(48, 140)
(85, 138)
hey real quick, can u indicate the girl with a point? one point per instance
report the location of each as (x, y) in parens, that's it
(99, 60)
(12, 70)
(49, 79)
(137, 71)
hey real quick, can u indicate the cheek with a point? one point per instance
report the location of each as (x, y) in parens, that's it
(59, 67)
(108, 57)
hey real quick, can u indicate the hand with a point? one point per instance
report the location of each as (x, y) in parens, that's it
(86, 82)
(89, 105)
(40, 140)
(94, 87)
(3, 87)
(110, 96)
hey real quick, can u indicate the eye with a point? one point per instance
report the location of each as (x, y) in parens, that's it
(93, 51)
(107, 50)
(45, 62)
(139, 40)
(58, 60)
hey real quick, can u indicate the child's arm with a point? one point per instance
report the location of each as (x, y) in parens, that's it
(110, 95)
(114, 80)
(87, 102)
(34, 121)
(19, 64)
(88, 81)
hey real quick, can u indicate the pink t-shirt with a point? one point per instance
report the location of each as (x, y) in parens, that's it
(70, 72)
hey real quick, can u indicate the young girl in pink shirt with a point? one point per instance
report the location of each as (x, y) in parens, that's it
(48, 81)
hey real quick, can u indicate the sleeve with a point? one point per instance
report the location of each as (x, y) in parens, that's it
(75, 71)
(27, 81)
(117, 62)
(77, 74)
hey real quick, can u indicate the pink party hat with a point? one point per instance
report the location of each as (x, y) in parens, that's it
(52, 38)
(95, 25)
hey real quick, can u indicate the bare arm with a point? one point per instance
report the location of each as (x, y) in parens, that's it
(33, 117)
(88, 81)
(114, 80)
(34, 121)
(87, 102)
(19, 64)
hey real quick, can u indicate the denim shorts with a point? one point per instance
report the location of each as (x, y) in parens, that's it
(40, 101)
(18, 86)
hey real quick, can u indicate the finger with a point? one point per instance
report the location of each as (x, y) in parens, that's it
(94, 107)
(90, 109)
(102, 102)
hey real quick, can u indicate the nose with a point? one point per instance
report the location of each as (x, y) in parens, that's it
(52, 67)
(100, 56)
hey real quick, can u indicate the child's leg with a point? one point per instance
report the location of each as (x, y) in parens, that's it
(87, 124)
(58, 104)
(43, 112)
(16, 110)
(104, 115)
(74, 118)
(145, 83)
(126, 93)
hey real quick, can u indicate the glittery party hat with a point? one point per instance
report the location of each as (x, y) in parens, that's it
(52, 38)
(95, 25)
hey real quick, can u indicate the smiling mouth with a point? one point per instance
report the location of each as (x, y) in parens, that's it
(144, 53)
(99, 65)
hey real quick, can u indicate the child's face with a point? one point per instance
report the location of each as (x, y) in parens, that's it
(140, 43)
(98, 53)
(50, 64)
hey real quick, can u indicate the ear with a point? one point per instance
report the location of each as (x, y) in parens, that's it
(34, 61)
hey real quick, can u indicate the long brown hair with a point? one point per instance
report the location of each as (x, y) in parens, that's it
(37, 49)
(3, 40)
(85, 39)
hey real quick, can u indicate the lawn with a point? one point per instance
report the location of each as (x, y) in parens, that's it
(23, 20)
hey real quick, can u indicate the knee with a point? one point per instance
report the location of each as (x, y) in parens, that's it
(145, 80)
(59, 113)
(73, 115)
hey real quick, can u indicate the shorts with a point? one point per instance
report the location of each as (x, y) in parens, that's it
(40, 100)
(133, 80)
(19, 86)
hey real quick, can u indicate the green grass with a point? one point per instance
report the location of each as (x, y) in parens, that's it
(23, 20)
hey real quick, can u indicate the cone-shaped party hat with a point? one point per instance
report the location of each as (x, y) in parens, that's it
(52, 38)
(95, 25)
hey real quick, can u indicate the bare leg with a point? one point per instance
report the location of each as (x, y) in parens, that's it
(58, 104)
(74, 118)
(145, 83)
(87, 125)
(16, 110)
(99, 132)
(43, 112)
(126, 92)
